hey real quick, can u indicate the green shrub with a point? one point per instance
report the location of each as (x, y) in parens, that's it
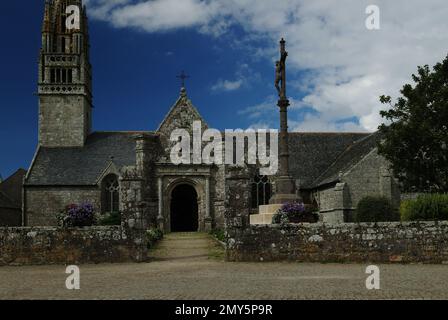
(219, 234)
(375, 209)
(280, 217)
(405, 210)
(153, 236)
(425, 207)
(112, 219)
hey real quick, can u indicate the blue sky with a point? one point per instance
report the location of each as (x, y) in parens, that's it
(135, 80)
(337, 68)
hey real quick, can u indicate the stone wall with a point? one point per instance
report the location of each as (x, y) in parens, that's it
(218, 196)
(51, 245)
(369, 177)
(64, 120)
(237, 201)
(411, 195)
(425, 242)
(42, 204)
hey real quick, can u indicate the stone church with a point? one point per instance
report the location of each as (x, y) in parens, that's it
(117, 171)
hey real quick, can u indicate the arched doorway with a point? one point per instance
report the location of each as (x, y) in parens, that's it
(184, 209)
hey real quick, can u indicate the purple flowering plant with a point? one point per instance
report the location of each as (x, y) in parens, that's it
(294, 212)
(82, 215)
(293, 209)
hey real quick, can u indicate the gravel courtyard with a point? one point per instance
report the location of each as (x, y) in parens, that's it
(191, 266)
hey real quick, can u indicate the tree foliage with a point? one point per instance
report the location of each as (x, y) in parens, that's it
(416, 133)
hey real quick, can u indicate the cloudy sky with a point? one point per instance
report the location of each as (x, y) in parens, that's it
(337, 68)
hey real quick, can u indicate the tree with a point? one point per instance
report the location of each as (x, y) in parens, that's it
(415, 137)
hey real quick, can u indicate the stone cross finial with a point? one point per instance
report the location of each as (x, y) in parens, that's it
(183, 76)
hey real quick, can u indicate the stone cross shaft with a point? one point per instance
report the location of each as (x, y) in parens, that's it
(285, 185)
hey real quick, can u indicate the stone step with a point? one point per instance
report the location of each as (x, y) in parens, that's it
(261, 218)
(265, 215)
(269, 209)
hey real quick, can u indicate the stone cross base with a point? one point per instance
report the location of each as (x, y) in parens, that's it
(265, 214)
(286, 191)
(284, 198)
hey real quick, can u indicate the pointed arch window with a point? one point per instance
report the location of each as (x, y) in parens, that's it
(261, 191)
(111, 194)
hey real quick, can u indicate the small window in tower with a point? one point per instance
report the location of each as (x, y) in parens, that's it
(63, 44)
(58, 75)
(63, 23)
(52, 75)
(64, 75)
(70, 75)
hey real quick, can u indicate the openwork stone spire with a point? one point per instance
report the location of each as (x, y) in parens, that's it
(65, 75)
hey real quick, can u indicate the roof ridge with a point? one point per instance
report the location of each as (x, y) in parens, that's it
(12, 175)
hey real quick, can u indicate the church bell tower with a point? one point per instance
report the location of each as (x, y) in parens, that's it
(65, 80)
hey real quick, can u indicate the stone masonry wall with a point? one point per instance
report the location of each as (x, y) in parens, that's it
(64, 121)
(369, 177)
(218, 196)
(42, 204)
(425, 242)
(51, 245)
(237, 201)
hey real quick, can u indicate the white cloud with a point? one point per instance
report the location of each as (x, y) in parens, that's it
(154, 15)
(227, 85)
(347, 66)
(243, 77)
(320, 123)
(264, 110)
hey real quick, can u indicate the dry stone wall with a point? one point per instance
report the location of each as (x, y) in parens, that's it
(416, 242)
(51, 245)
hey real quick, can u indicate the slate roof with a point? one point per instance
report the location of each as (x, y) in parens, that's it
(82, 166)
(350, 157)
(311, 154)
(5, 202)
(316, 158)
(11, 188)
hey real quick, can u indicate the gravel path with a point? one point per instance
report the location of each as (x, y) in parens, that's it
(191, 266)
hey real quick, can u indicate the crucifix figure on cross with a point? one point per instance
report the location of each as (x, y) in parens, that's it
(280, 71)
(183, 76)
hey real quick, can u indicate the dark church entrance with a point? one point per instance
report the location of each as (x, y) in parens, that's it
(184, 209)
